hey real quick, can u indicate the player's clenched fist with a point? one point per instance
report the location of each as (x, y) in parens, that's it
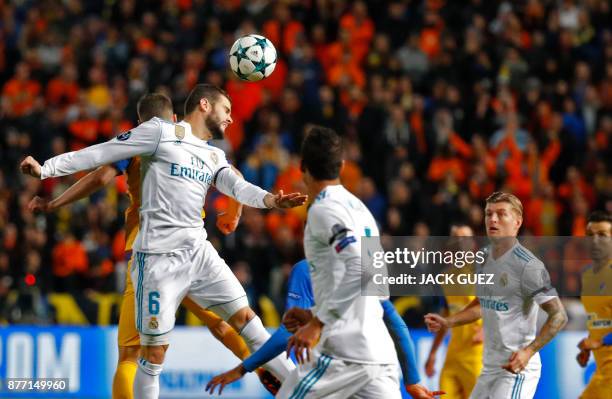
(30, 166)
(435, 322)
(39, 204)
(227, 223)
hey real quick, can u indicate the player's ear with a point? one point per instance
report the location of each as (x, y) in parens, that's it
(204, 104)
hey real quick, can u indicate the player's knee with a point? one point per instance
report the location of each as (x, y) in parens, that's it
(240, 319)
(153, 354)
(128, 353)
(219, 329)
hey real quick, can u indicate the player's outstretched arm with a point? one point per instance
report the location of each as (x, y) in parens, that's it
(273, 347)
(141, 140)
(431, 359)
(84, 187)
(284, 201)
(469, 314)
(403, 342)
(557, 319)
(231, 184)
(405, 351)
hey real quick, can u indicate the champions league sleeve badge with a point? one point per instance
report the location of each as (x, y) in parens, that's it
(124, 136)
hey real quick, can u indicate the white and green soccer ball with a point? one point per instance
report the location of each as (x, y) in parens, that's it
(252, 57)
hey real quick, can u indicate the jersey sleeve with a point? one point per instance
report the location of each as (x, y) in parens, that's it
(299, 288)
(404, 346)
(536, 284)
(231, 184)
(329, 227)
(221, 162)
(274, 346)
(141, 140)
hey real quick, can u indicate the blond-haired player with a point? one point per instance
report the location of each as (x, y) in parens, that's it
(511, 362)
(149, 106)
(463, 361)
(597, 300)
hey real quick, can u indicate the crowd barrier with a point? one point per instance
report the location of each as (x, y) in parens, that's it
(86, 356)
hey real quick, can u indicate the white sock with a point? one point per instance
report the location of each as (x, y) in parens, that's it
(146, 383)
(255, 335)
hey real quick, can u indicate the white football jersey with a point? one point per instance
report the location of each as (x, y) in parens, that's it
(510, 309)
(354, 329)
(177, 169)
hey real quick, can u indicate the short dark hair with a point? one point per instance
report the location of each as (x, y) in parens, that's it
(322, 153)
(459, 222)
(200, 91)
(600, 216)
(154, 104)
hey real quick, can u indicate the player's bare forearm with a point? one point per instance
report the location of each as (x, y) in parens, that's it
(84, 187)
(439, 337)
(438, 340)
(467, 315)
(557, 319)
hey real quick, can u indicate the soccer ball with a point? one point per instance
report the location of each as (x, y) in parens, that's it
(252, 58)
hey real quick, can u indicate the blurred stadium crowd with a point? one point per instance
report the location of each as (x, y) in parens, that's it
(440, 102)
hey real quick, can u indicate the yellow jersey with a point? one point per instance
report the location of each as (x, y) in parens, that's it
(599, 310)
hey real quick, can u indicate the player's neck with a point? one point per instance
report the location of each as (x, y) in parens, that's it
(502, 245)
(316, 186)
(198, 128)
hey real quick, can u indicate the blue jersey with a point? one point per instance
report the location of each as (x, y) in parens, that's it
(299, 287)
(122, 165)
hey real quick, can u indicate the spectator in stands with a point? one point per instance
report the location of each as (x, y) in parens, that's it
(440, 103)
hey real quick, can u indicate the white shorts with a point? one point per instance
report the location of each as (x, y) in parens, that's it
(161, 281)
(326, 377)
(503, 384)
